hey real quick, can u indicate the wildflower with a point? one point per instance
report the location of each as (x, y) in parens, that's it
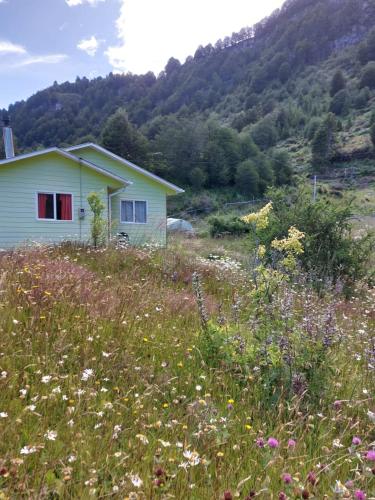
(291, 443)
(360, 495)
(287, 478)
(72, 458)
(340, 489)
(50, 435)
(250, 495)
(292, 243)
(87, 373)
(337, 404)
(228, 495)
(46, 379)
(311, 478)
(260, 219)
(143, 439)
(28, 450)
(192, 457)
(159, 472)
(273, 442)
(260, 442)
(371, 455)
(282, 496)
(136, 480)
(3, 414)
(219, 454)
(305, 494)
(356, 441)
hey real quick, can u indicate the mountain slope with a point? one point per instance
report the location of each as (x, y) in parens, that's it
(271, 80)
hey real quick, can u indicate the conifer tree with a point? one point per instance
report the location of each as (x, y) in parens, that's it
(338, 83)
(120, 137)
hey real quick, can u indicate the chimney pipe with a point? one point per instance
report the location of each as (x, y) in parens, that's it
(8, 138)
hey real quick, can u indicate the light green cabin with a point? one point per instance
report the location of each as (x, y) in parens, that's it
(43, 197)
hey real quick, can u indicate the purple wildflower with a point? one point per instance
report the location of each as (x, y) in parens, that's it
(371, 455)
(291, 443)
(360, 495)
(260, 442)
(282, 496)
(356, 440)
(273, 442)
(287, 478)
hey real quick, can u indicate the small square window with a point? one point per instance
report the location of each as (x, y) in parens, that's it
(133, 212)
(55, 206)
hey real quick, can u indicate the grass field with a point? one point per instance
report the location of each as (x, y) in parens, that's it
(108, 389)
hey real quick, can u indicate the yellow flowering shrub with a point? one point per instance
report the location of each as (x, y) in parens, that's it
(260, 219)
(268, 280)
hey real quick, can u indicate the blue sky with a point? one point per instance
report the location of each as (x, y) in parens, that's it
(46, 40)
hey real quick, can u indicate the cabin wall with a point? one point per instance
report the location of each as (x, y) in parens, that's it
(19, 184)
(142, 189)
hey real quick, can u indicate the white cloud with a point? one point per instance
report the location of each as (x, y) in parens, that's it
(89, 45)
(74, 3)
(150, 32)
(11, 48)
(48, 59)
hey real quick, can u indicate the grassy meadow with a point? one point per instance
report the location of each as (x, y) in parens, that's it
(148, 373)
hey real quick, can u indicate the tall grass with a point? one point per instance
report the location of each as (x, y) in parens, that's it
(105, 390)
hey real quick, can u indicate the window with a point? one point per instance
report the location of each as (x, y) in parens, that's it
(133, 212)
(55, 206)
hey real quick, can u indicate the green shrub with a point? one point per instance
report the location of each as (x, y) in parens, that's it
(331, 253)
(221, 225)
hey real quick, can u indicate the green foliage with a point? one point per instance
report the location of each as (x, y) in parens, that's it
(323, 144)
(247, 178)
(368, 76)
(282, 167)
(330, 251)
(121, 138)
(264, 134)
(98, 223)
(366, 50)
(338, 83)
(372, 134)
(221, 225)
(340, 103)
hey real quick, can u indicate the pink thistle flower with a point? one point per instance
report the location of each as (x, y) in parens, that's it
(291, 443)
(360, 495)
(371, 455)
(356, 441)
(273, 442)
(282, 496)
(228, 495)
(287, 478)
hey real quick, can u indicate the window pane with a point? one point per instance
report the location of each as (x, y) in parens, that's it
(127, 212)
(45, 206)
(140, 211)
(64, 207)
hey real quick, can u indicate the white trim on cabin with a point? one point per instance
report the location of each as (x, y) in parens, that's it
(69, 156)
(134, 223)
(54, 193)
(128, 163)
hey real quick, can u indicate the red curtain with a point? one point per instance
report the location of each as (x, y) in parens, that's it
(66, 206)
(42, 206)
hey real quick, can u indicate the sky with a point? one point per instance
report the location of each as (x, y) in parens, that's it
(42, 41)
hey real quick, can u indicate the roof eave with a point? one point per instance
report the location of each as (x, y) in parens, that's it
(141, 170)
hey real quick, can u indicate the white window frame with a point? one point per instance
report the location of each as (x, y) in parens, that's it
(54, 193)
(134, 223)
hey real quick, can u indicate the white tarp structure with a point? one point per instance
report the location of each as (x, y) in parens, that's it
(179, 226)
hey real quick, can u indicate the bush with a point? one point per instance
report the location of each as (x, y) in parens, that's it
(221, 225)
(330, 251)
(368, 76)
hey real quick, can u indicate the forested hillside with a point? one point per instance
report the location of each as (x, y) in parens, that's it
(301, 80)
